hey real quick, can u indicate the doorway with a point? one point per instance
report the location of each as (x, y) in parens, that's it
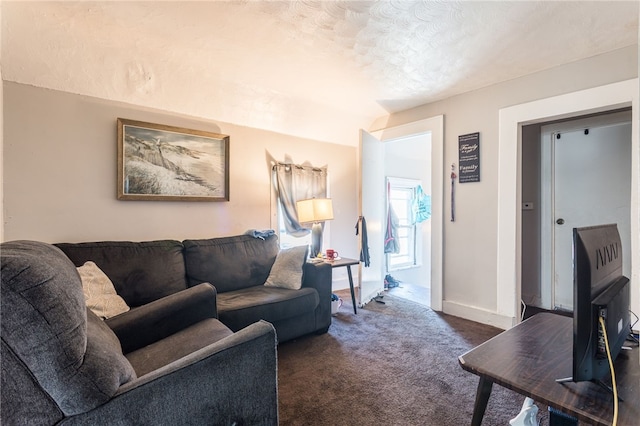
(372, 203)
(583, 178)
(407, 167)
(512, 123)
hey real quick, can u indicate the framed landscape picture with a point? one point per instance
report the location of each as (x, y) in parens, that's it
(165, 163)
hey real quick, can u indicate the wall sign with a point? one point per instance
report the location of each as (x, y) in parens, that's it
(469, 157)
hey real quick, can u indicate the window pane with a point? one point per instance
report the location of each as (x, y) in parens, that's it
(287, 240)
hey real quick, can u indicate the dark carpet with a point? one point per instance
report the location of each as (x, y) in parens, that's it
(391, 364)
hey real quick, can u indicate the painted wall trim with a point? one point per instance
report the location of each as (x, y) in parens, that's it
(511, 119)
(476, 314)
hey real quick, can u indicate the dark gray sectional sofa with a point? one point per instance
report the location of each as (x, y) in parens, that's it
(236, 266)
(167, 362)
(198, 345)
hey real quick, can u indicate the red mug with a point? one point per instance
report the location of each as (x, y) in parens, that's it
(332, 254)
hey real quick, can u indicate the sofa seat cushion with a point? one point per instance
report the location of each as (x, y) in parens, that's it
(176, 346)
(237, 309)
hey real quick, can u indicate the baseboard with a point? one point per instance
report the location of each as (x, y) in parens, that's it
(340, 283)
(478, 315)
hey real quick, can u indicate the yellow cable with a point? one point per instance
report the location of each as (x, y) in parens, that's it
(613, 374)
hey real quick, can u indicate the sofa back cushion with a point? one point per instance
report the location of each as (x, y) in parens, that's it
(230, 263)
(141, 272)
(70, 352)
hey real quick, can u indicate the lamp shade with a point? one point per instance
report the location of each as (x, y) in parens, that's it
(314, 210)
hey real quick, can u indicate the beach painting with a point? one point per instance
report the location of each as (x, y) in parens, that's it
(165, 163)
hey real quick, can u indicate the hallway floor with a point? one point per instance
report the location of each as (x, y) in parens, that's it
(415, 293)
(412, 292)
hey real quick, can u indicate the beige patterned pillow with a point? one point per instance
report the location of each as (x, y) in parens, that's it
(99, 292)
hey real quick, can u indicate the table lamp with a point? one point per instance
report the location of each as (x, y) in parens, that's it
(315, 210)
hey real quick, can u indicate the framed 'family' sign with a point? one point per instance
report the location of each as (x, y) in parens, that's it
(469, 158)
(165, 163)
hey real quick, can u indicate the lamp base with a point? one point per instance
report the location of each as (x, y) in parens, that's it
(316, 240)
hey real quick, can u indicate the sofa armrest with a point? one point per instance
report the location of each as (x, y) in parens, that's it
(318, 275)
(232, 381)
(156, 320)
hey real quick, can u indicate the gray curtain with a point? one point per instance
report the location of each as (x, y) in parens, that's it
(293, 183)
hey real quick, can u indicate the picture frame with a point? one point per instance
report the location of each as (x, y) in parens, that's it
(166, 163)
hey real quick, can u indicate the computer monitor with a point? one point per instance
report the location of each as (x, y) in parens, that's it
(600, 290)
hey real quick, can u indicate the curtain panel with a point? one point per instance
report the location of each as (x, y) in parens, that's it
(294, 182)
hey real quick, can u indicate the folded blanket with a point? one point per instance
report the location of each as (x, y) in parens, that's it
(260, 234)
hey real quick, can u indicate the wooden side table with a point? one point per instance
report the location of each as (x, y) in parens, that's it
(346, 262)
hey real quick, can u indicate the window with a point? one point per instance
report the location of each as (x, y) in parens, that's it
(401, 242)
(291, 183)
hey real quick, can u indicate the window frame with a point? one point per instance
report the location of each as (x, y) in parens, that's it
(409, 256)
(286, 240)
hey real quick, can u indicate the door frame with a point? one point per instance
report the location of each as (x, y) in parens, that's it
(435, 126)
(509, 252)
(547, 185)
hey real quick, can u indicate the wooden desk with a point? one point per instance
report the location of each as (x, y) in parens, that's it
(528, 359)
(346, 262)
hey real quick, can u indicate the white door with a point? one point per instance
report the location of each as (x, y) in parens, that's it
(592, 186)
(371, 207)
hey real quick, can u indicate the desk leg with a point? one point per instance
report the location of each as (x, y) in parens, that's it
(353, 294)
(482, 398)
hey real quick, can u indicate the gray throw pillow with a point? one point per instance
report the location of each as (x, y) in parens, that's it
(287, 269)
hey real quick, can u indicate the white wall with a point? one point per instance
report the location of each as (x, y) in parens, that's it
(470, 243)
(60, 154)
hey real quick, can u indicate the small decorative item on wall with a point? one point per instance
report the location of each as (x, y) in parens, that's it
(454, 176)
(469, 157)
(165, 163)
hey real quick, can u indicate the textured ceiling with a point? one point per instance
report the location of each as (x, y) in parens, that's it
(317, 69)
